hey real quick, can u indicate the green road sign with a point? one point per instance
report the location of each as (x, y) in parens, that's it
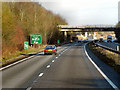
(35, 38)
(58, 41)
(26, 44)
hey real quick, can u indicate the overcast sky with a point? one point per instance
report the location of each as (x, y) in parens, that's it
(84, 12)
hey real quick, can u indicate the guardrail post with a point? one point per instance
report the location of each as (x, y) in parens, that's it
(118, 48)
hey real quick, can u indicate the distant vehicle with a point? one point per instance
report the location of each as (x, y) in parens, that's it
(74, 39)
(109, 38)
(79, 40)
(114, 40)
(86, 40)
(50, 49)
(101, 40)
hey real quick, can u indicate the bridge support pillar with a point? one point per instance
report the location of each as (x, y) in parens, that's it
(94, 35)
(71, 36)
(86, 34)
(65, 35)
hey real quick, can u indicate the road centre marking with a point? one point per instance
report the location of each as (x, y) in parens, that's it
(22, 61)
(41, 74)
(53, 60)
(48, 66)
(106, 78)
(29, 88)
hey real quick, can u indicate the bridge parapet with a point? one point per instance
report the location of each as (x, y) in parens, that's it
(88, 28)
(84, 26)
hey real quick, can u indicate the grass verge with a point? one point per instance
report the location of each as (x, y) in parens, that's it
(110, 58)
(18, 55)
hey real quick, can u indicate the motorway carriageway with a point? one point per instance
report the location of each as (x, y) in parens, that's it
(72, 67)
(111, 45)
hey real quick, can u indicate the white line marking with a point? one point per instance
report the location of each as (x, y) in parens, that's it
(48, 66)
(106, 78)
(34, 81)
(18, 62)
(53, 60)
(56, 57)
(15, 63)
(41, 74)
(29, 88)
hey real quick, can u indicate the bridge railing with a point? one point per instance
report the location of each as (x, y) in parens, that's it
(86, 26)
(107, 48)
(104, 26)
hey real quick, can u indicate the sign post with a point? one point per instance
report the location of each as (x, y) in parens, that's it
(58, 41)
(118, 48)
(26, 45)
(35, 38)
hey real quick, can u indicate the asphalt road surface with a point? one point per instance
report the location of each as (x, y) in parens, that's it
(22, 74)
(112, 45)
(70, 68)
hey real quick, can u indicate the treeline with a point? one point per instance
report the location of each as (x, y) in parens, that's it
(20, 19)
(117, 32)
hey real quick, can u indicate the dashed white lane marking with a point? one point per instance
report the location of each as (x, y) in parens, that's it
(106, 78)
(53, 60)
(48, 66)
(41, 74)
(29, 88)
(34, 81)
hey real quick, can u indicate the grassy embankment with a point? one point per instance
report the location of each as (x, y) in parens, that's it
(117, 32)
(19, 20)
(110, 58)
(23, 54)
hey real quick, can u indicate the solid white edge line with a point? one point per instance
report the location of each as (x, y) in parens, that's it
(15, 63)
(106, 78)
(41, 74)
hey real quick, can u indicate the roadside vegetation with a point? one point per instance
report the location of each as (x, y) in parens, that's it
(110, 58)
(117, 32)
(20, 19)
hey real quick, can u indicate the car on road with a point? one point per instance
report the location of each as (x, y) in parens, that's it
(50, 49)
(109, 38)
(101, 40)
(86, 40)
(79, 40)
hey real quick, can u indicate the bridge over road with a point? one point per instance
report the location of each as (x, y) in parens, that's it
(87, 28)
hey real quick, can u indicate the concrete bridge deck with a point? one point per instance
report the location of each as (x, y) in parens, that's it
(87, 28)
